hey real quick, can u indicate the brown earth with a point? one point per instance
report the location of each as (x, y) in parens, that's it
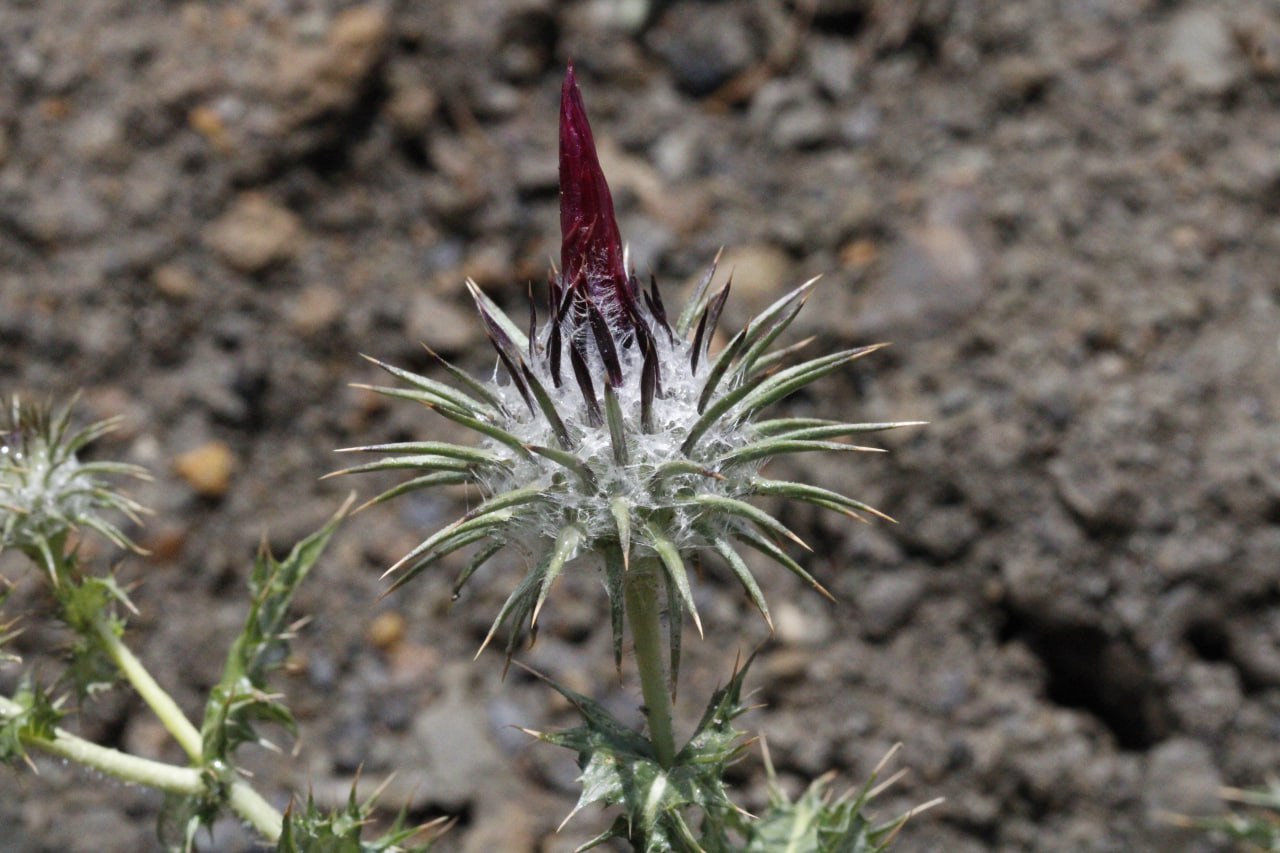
(1063, 214)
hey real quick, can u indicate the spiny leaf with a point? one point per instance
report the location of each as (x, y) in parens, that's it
(442, 549)
(445, 392)
(773, 552)
(821, 428)
(497, 315)
(496, 433)
(755, 515)
(474, 385)
(617, 426)
(765, 328)
(806, 492)
(444, 478)
(484, 555)
(548, 408)
(567, 460)
(240, 698)
(483, 523)
(780, 447)
(743, 573)
(433, 448)
(397, 463)
(567, 542)
(672, 562)
(775, 387)
(694, 305)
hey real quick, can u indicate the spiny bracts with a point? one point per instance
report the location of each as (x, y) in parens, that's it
(611, 432)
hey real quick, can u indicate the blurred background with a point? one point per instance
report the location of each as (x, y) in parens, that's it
(1064, 215)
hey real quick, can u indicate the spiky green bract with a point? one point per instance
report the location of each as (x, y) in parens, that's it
(37, 720)
(661, 465)
(46, 491)
(85, 603)
(241, 698)
(310, 829)
(619, 768)
(818, 822)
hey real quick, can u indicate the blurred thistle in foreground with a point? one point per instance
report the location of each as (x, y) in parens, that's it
(46, 492)
(614, 432)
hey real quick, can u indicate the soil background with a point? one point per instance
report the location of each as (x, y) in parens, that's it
(1063, 214)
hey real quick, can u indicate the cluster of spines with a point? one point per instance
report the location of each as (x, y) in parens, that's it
(46, 491)
(742, 379)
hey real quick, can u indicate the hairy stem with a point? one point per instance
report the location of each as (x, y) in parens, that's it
(644, 612)
(167, 710)
(130, 768)
(242, 798)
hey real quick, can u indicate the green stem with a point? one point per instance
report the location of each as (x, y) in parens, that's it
(167, 710)
(130, 768)
(644, 614)
(242, 798)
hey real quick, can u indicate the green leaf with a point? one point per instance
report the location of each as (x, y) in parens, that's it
(765, 328)
(397, 463)
(309, 829)
(813, 494)
(772, 551)
(820, 428)
(444, 478)
(742, 572)
(617, 425)
(781, 447)
(498, 316)
(481, 557)
(37, 720)
(615, 570)
(442, 391)
(432, 448)
(817, 822)
(567, 542)
(742, 509)
(619, 768)
(697, 300)
(783, 383)
(240, 699)
(675, 570)
(567, 460)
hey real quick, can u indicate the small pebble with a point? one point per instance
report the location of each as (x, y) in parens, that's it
(207, 469)
(386, 630)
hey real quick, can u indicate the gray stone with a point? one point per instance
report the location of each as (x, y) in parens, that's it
(703, 45)
(1182, 779)
(1202, 51)
(888, 601)
(254, 234)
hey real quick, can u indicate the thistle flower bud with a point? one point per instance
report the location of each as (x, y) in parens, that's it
(46, 491)
(654, 449)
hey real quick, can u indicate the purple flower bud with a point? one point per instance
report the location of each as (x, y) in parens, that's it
(591, 247)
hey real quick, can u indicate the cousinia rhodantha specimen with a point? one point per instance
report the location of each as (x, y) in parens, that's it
(610, 439)
(613, 440)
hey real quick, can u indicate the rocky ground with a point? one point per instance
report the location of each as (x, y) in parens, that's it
(1065, 215)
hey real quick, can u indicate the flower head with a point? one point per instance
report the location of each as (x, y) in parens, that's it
(650, 453)
(46, 491)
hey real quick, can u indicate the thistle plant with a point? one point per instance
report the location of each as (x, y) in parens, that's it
(612, 439)
(49, 500)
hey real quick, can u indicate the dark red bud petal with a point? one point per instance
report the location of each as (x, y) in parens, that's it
(591, 247)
